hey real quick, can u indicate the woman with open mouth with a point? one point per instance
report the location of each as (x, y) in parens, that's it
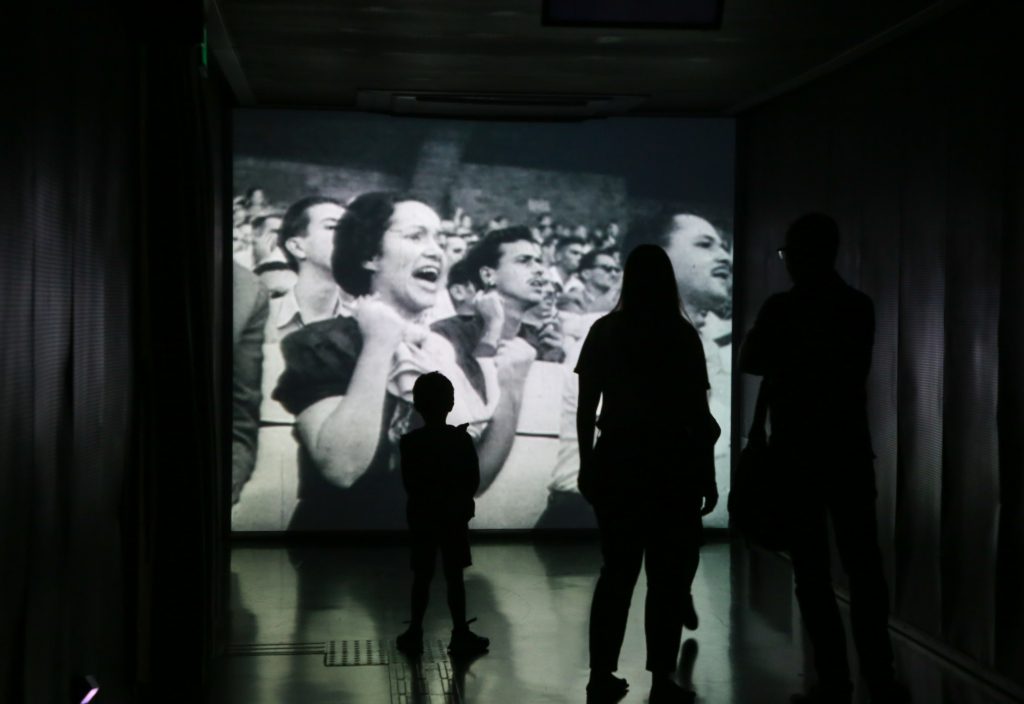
(343, 377)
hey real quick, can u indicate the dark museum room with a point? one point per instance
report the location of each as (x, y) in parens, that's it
(338, 367)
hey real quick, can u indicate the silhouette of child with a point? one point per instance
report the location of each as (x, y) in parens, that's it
(441, 475)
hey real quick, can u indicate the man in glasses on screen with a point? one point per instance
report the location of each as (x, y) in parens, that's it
(601, 276)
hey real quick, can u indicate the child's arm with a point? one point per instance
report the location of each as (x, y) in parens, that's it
(408, 466)
(472, 466)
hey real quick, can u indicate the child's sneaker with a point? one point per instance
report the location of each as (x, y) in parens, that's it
(411, 641)
(465, 643)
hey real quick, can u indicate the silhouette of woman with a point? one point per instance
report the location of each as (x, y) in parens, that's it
(651, 475)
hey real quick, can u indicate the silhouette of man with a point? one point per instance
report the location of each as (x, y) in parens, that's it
(812, 344)
(441, 474)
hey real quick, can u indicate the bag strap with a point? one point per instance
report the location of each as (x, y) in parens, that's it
(758, 434)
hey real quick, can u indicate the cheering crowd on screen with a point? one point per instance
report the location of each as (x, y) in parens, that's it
(366, 295)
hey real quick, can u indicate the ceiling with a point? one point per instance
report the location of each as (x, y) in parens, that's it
(340, 54)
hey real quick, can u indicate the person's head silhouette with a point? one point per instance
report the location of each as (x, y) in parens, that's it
(649, 284)
(433, 396)
(812, 243)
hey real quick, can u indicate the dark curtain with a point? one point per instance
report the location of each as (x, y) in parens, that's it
(179, 483)
(68, 233)
(1009, 633)
(110, 389)
(914, 151)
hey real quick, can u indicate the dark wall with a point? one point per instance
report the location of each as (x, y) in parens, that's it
(108, 371)
(913, 149)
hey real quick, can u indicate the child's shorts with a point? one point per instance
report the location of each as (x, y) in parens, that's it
(451, 541)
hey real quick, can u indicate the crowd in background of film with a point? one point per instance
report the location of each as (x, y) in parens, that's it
(568, 251)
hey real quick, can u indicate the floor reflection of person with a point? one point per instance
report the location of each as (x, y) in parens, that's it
(337, 371)
(650, 476)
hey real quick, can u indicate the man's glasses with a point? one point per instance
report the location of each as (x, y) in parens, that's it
(609, 268)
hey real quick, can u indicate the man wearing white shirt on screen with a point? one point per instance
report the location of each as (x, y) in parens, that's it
(307, 240)
(568, 252)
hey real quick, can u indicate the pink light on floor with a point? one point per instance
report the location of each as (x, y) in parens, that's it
(92, 692)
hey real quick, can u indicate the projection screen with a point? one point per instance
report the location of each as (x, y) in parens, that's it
(346, 225)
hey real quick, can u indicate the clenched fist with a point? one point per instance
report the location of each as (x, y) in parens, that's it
(490, 308)
(514, 359)
(378, 322)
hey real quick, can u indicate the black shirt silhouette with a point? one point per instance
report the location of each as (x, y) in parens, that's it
(813, 346)
(441, 474)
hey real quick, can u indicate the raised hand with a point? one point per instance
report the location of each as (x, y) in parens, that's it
(415, 334)
(378, 322)
(551, 333)
(490, 308)
(263, 246)
(514, 359)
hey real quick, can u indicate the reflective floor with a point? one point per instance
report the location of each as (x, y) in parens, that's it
(317, 624)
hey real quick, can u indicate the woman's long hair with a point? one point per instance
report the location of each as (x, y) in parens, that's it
(649, 285)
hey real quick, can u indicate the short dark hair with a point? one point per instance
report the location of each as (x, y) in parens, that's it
(816, 234)
(487, 252)
(589, 260)
(433, 392)
(357, 239)
(295, 221)
(460, 273)
(563, 242)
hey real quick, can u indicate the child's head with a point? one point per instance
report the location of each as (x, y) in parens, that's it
(433, 396)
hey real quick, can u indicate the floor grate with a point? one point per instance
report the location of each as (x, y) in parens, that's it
(427, 679)
(424, 680)
(353, 653)
(317, 648)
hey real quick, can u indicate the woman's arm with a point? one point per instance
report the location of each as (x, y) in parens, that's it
(513, 364)
(341, 433)
(586, 420)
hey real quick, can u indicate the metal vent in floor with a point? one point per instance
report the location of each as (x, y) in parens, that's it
(352, 653)
(426, 679)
